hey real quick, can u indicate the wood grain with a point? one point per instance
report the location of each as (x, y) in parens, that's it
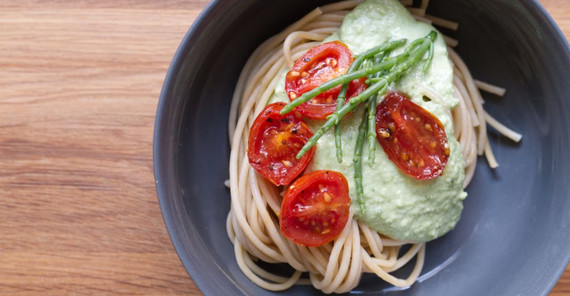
(79, 84)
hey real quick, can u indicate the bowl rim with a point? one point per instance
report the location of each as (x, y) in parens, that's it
(161, 172)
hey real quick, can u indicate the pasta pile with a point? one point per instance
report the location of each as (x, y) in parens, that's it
(253, 224)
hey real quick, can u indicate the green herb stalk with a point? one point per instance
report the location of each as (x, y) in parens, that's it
(383, 50)
(362, 128)
(372, 129)
(420, 47)
(344, 79)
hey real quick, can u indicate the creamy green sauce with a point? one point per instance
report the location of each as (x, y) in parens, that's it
(397, 205)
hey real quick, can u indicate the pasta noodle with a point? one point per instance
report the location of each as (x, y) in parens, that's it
(252, 223)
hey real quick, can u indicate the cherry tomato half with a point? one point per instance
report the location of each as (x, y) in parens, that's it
(319, 65)
(412, 137)
(274, 141)
(315, 208)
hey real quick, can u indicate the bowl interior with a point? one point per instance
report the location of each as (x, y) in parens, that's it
(513, 235)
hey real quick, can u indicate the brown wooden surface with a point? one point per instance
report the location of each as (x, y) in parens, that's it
(79, 84)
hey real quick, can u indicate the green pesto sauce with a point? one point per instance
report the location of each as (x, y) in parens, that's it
(397, 205)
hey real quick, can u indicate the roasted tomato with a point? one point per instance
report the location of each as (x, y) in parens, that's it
(315, 208)
(319, 65)
(274, 141)
(412, 137)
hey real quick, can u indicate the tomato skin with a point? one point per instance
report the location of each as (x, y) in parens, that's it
(412, 137)
(273, 144)
(315, 208)
(319, 65)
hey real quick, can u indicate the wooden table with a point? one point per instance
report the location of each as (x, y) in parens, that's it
(79, 84)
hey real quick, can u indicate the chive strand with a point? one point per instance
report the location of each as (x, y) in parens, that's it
(381, 83)
(337, 136)
(386, 47)
(343, 79)
(383, 49)
(336, 116)
(362, 130)
(372, 117)
(429, 58)
(338, 142)
(372, 130)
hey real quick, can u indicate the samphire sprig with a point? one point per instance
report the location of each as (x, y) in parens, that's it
(393, 68)
(377, 53)
(362, 130)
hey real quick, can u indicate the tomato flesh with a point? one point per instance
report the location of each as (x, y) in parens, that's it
(319, 65)
(273, 144)
(412, 137)
(315, 208)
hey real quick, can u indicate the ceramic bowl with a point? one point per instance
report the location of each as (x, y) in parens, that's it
(514, 234)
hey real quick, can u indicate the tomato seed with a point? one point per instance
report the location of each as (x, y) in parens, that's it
(384, 134)
(331, 62)
(327, 197)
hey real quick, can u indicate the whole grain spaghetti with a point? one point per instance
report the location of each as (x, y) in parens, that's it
(253, 223)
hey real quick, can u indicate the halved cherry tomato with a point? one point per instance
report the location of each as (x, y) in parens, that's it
(412, 137)
(320, 108)
(319, 65)
(315, 208)
(274, 141)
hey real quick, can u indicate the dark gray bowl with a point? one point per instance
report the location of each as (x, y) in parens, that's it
(514, 235)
